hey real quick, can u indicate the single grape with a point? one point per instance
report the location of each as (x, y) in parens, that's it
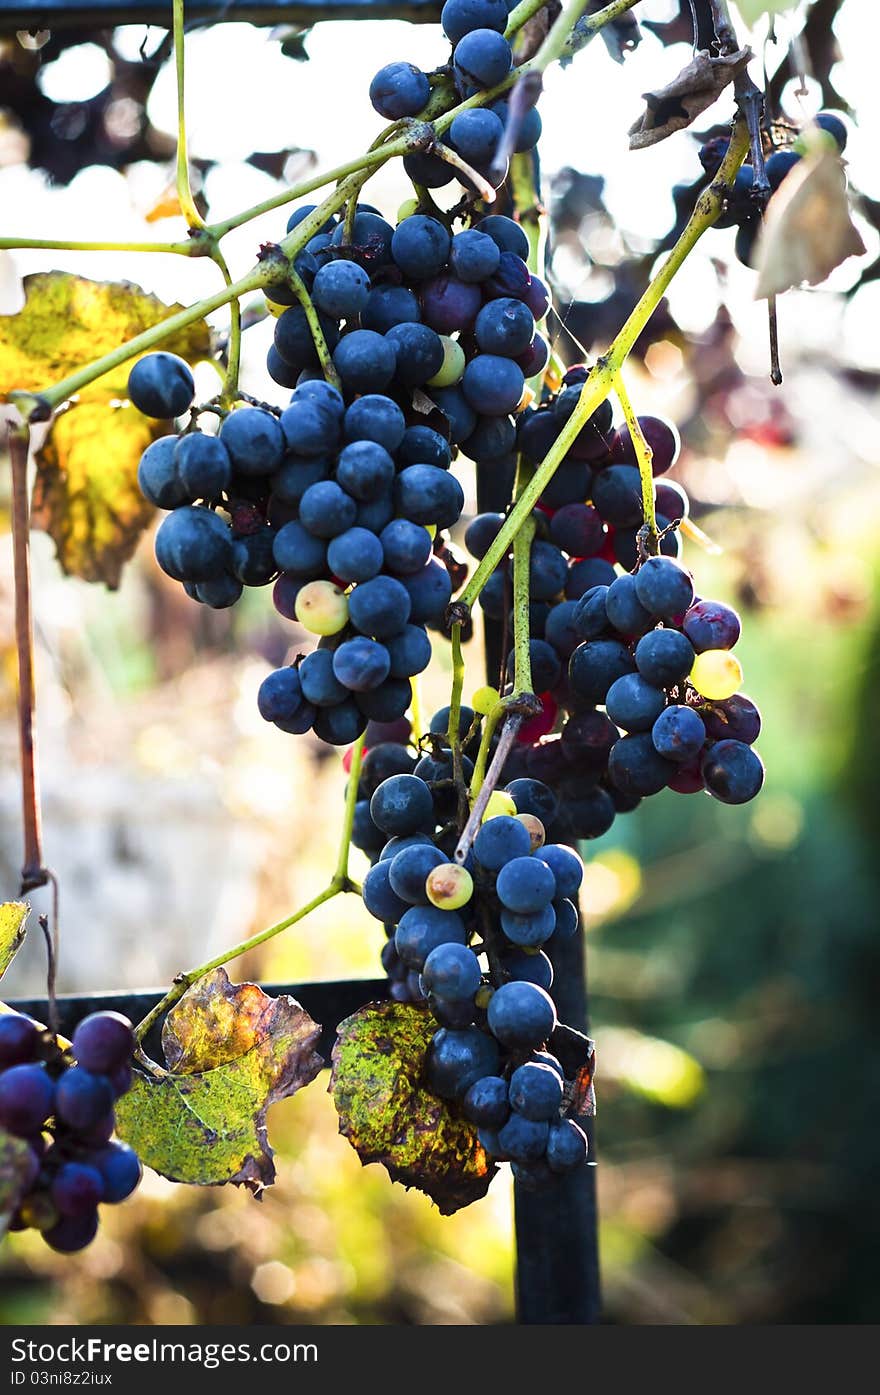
(102, 1041)
(360, 664)
(422, 446)
(72, 1233)
(529, 929)
(737, 718)
(27, 1098)
(452, 971)
(320, 686)
(662, 438)
(457, 1059)
(82, 1098)
(664, 657)
(594, 666)
(398, 90)
(624, 609)
(500, 803)
(355, 555)
(409, 651)
(474, 257)
(486, 1102)
(664, 588)
(567, 1146)
(426, 494)
(636, 767)
(528, 967)
(298, 551)
(634, 704)
(120, 1169)
(521, 1139)
(254, 440)
(76, 1189)
(406, 546)
(322, 608)
(716, 674)
(679, 734)
(422, 928)
(19, 1039)
(536, 1092)
(158, 477)
(161, 385)
(422, 356)
(711, 625)
(525, 885)
(567, 869)
(430, 591)
(732, 772)
(365, 361)
(449, 887)
(341, 289)
(402, 805)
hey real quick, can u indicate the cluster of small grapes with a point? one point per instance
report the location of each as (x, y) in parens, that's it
(741, 211)
(341, 506)
(418, 309)
(61, 1103)
(471, 939)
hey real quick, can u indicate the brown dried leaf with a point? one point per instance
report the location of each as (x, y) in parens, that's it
(389, 1116)
(808, 229)
(681, 101)
(231, 1051)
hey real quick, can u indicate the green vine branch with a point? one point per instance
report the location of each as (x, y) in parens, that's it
(644, 456)
(184, 191)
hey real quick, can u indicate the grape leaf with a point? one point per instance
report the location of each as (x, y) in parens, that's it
(68, 321)
(13, 915)
(807, 229)
(753, 10)
(86, 495)
(16, 1175)
(389, 1116)
(231, 1051)
(696, 87)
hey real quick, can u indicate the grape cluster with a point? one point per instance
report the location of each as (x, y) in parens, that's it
(470, 940)
(419, 309)
(600, 637)
(741, 211)
(61, 1102)
(341, 507)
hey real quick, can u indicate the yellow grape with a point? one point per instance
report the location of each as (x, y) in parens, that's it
(453, 364)
(499, 803)
(717, 674)
(322, 608)
(449, 887)
(484, 699)
(535, 828)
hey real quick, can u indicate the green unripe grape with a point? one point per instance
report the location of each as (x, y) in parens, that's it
(453, 364)
(717, 674)
(484, 700)
(321, 608)
(500, 802)
(407, 209)
(449, 887)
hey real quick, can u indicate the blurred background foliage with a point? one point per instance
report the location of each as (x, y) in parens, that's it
(733, 953)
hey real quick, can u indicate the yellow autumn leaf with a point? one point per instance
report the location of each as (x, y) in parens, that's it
(68, 321)
(85, 493)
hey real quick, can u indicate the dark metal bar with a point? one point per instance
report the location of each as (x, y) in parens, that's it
(105, 14)
(328, 1003)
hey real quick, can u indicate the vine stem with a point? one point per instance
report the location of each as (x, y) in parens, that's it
(340, 882)
(453, 733)
(502, 751)
(644, 457)
(191, 247)
(601, 379)
(33, 873)
(522, 554)
(230, 382)
(184, 191)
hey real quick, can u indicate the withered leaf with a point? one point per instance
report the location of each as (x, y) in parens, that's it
(13, 915)
(807, 229)
(86, 495)
(231, 1052)
(389, 1116)
(675, 106)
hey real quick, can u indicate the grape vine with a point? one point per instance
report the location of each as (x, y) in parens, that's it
(407, 347)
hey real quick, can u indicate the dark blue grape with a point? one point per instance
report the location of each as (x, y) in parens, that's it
(569, 485)
(664, 588)
(298, 551)
(459, 17)
(365, 361)
(457, 1059)
(474, 257)
(530, 128)
(161, 385)
(430, 591)
(625, 610)
(492, 385)
(678, 733)
(375, 514)
(529, 929)
(72, 1233)
(500, 840)
(567, 869)
(586, 574)
(481, 532)
(537, 298)
(521, 1015)
(633, 703)
(365, 470)
(339, 725)
(253, 560)
(319, 684)
(375, 418)
(636, 767)
(299, 215)
(492, 439)
(398, 90)
(420, 246)
(409, 652)
(102, 1041)
(560, 629)
(157, 476)
(27, 1098)
(355, 555)
(19, 1039)
(594, 666)
(406, 545)
(290, 483)
(361, 664)
(427, 494)
(617, 494)
(506, 234)
(311, 426)
(409, 871)
(567, 1146)
(451, 971)
(664, 657)
(528, 968)
(379, 899)
(422, 928)
(280, 700)
(566, 912)
(449, 305)
(326, 510)
(120, 1170)
(82, 1098)
(511, 279)
(486, 1102)
(590, 814)
(737, 718)
(523, 1140)
(281, 372)
(419, 352)
(76, 1189)
(294, 341)
(370, 239)
(505, 326)
(525, 885)
(533, 797)
(475, 134)
(547, 571)
(388, 306)
(380, 607)
(423, 446)
(254, 440)
(341, 289)
(732, 772)
(402, 805)
(193, 544)
(833, 123)
(536, 1092)
(590, 614)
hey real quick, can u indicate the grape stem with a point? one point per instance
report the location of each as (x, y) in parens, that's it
(644, 456)
(184, 191)
(229, 391)
(453, 733)
(340, 882)
(601, 379)
(314, 324)
(508, 735)
(191, 247)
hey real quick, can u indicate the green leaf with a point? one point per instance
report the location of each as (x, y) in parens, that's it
(16, 1175)
(389, 1116)
(231, 1051)
(753, 10)
(13, 915)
